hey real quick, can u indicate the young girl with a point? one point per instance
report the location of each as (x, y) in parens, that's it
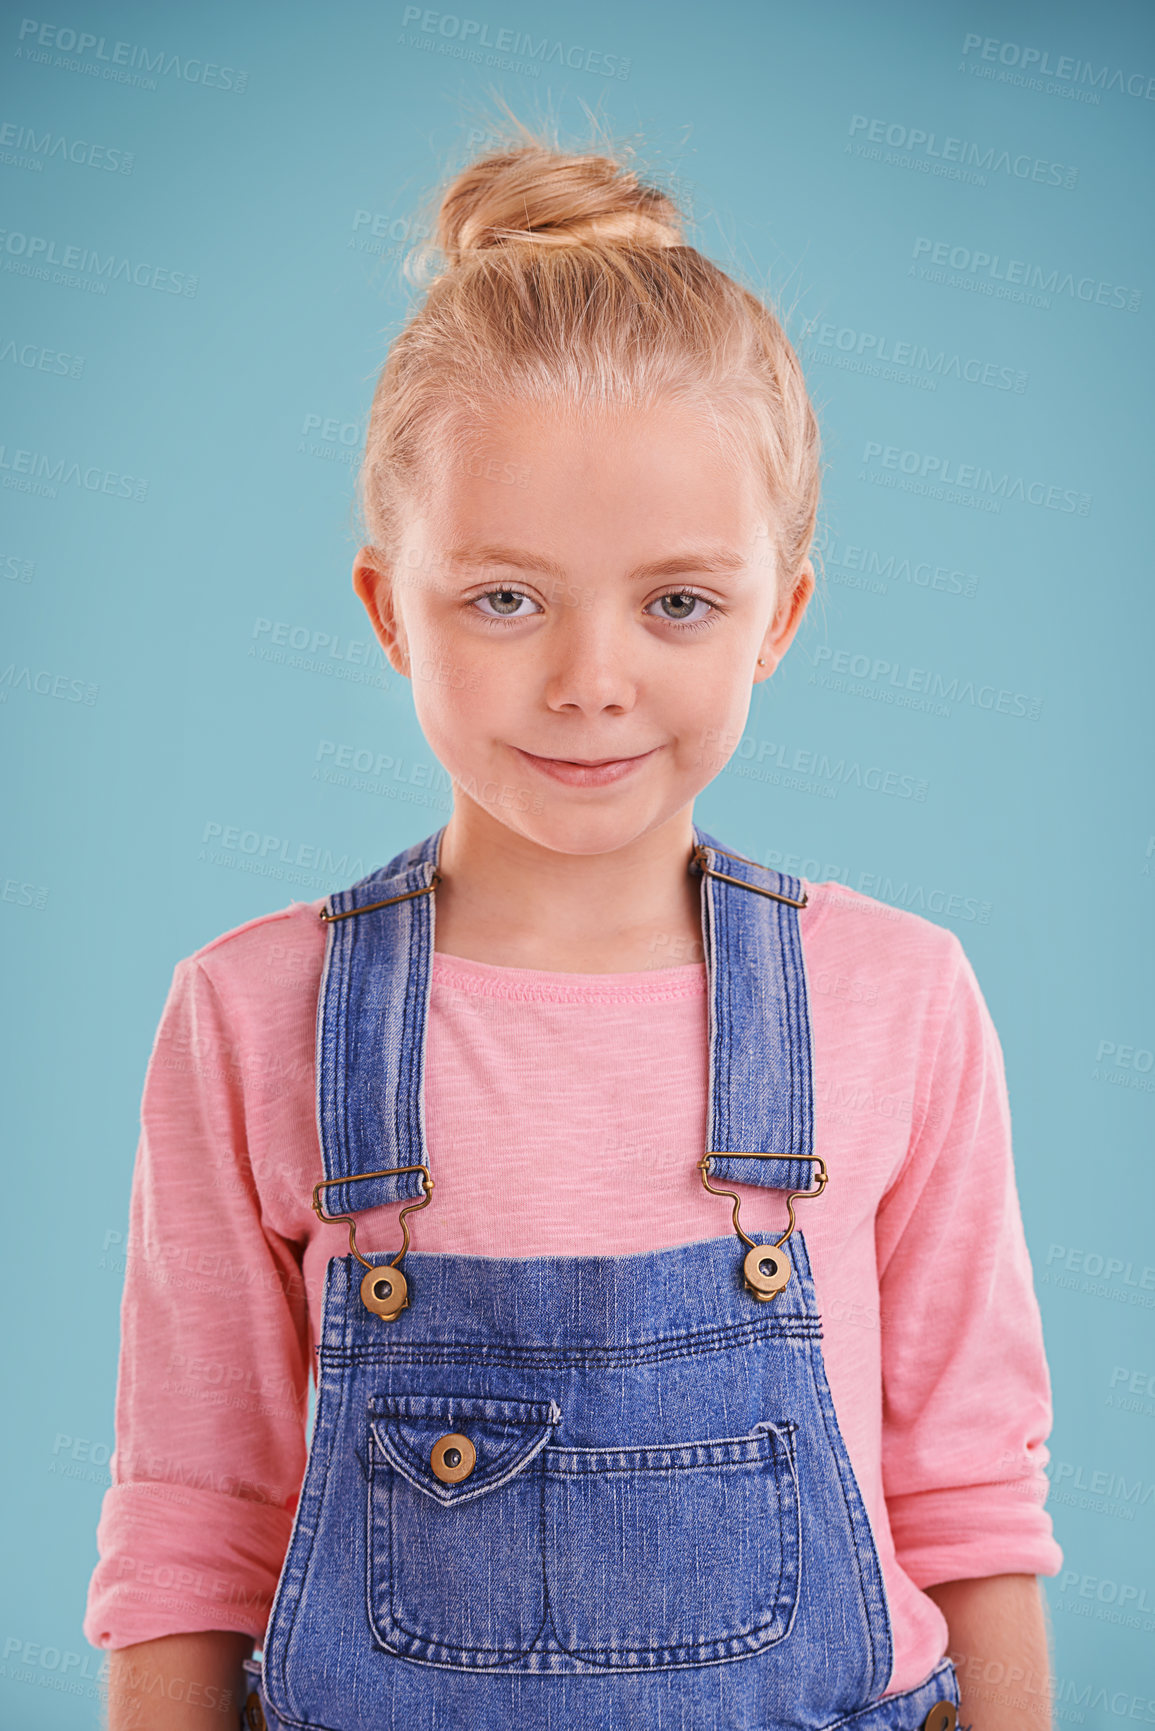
(698, 1381)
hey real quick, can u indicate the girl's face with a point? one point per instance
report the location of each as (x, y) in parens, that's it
(581, 607)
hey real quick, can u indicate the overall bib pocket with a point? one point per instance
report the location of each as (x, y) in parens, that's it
(486, 1542)
(674, 1554)
(454, 1537)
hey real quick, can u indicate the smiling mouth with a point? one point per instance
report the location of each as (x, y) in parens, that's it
(587, 762)
(588, 771)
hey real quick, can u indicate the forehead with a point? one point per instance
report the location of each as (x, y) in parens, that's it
(587, 479)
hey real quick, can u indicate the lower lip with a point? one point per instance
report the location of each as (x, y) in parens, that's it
(586, 774)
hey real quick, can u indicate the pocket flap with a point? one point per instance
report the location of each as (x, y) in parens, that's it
(506, 1435)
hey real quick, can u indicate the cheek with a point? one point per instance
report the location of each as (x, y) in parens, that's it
(457, 704)
(715, 708)
(715, 694)
(441, 697)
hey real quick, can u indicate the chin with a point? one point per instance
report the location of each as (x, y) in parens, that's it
(589, 831)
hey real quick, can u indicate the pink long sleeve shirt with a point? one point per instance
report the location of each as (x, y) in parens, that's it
(565, 1114)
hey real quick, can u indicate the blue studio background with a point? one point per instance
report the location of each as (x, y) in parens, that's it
(952, 202)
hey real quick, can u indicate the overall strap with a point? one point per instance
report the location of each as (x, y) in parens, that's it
(371, 1018)
(761, 1097)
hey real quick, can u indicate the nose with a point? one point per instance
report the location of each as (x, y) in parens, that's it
(589, 669)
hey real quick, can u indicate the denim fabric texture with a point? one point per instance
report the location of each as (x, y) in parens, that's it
(661, 1530)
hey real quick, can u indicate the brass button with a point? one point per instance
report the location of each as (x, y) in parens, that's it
(767, 1270)
(943, 1716)
(452, 1458)
(384, 1291)
(254, 1716)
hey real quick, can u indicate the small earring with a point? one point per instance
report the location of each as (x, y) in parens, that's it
(761, 661)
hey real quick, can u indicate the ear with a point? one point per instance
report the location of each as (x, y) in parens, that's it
(786, 620)
(373, 583)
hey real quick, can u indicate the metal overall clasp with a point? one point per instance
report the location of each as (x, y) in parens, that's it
(370, 907)
(700, 861)
(765, 1267)
(384, 1289)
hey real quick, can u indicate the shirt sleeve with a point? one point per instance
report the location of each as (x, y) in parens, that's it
(213, 1382)
(966, 1389)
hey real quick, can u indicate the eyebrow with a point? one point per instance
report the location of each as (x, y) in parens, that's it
(719, 560)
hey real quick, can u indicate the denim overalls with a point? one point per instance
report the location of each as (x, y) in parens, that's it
(576, 1493)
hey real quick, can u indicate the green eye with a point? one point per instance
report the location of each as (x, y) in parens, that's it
(503, 604)
(678, 607)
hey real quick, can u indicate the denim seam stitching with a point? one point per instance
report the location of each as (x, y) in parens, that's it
(301, 1572)
(945, 1668)
(466, 1352)
(806, 1045)
(836, 1449)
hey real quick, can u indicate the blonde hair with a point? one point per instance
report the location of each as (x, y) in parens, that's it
(566, 282)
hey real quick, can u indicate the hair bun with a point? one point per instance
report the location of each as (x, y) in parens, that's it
(544, 197)
(562, 282)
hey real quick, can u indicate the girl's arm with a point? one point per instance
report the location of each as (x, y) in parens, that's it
(212, 1393)
(966, 1391)
(179, 1683)
(998, 1641)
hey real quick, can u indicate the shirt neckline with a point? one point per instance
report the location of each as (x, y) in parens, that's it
(647, 985)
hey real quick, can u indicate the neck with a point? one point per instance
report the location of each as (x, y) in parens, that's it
(506, 900)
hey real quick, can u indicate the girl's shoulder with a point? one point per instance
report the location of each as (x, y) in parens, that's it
(891, 946)
(911, 919)
(894, 983)
(270, 955)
